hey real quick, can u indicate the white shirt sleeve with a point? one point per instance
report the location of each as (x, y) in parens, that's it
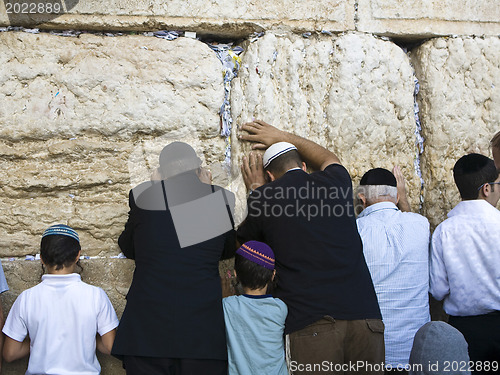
(106, 315)
(15, 325)
(439, 286)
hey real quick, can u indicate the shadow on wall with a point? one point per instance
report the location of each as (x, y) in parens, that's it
(35, 12)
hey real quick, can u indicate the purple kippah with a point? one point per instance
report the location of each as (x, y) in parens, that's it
(257, 252)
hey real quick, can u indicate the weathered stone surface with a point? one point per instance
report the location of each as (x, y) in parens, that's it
(112, 275)
(352, 94)
(83, 119)
(424, 18)
(459, 100)
(63, 87)
(238, 19)
(234, 19)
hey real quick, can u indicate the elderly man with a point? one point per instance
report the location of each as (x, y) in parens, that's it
(173, 323)
(334, 323)
(465, 259)
(396, 248)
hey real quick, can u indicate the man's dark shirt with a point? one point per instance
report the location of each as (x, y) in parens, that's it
(308, 220)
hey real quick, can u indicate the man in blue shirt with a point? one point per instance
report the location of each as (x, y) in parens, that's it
(396, 247)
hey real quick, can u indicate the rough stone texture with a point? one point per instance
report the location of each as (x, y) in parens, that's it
(459, 100)
(238, 19)
(112, 275)
(425, 18)
(84, 118)
(352, 94)
(234, 19)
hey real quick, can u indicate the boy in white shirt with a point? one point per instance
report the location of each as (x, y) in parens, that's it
(255, 321)
(61, 315)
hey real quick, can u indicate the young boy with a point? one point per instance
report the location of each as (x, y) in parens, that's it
(255, 321)
(61, 315)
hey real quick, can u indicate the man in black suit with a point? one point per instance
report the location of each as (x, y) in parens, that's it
(177, 231)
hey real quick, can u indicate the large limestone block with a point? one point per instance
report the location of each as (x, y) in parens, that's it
(234, 19)
(112, 275)
(425, 18)
(83, 120)
(352, 94)
(459, 100)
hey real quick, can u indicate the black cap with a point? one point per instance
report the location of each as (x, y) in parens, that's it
(471, 163)
(378, 176)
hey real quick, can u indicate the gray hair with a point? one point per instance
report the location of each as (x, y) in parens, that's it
(375, 192)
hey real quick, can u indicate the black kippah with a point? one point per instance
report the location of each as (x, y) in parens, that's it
(471, 163)
(378, 176)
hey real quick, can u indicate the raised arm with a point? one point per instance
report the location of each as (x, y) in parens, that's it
(264, 135)
(403, 203)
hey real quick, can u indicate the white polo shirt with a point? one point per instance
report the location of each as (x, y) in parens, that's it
(62, 315)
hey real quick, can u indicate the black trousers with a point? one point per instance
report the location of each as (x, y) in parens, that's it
(173, 366)
(482, 333)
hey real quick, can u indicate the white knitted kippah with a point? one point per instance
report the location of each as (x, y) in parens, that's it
(275, 150)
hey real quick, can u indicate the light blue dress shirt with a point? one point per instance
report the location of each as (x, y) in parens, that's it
(396, 249)
(3, 283)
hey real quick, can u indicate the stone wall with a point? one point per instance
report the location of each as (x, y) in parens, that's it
(351, 93)
(238, 19)
(460, 89)
(82, 118)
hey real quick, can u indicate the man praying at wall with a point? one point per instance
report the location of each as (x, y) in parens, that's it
(396, 248)
(465, 259)
(173, 323)
(308, 219)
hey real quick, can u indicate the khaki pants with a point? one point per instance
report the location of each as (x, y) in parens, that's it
(332, 346)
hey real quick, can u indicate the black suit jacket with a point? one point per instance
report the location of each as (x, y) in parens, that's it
(174, 305)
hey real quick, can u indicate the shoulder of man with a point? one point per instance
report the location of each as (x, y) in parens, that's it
(335, 170)
(415, 217)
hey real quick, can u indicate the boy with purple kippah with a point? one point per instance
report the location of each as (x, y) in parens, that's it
(255, 321)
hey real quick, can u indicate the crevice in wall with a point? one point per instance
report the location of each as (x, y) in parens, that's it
(408, 44)
(356, 15)
(231, 62)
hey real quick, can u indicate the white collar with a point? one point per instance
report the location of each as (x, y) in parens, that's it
(476, 207)
(61, 279)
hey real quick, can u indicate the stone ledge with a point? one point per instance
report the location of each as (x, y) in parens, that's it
(419, 20)
(239, 19)
(234, 19)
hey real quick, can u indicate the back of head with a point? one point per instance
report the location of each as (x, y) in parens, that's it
(435, 345)
(177, 158)
(378, 185)
(470, 172)
(59, 246)
(280, 157)
(254, 264)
